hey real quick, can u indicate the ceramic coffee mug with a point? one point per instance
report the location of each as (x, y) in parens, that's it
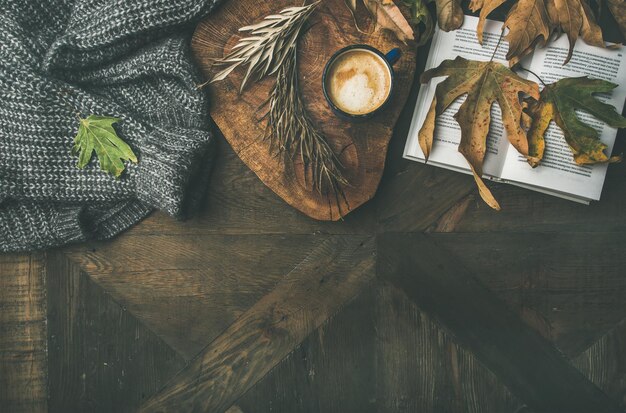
(358, 81)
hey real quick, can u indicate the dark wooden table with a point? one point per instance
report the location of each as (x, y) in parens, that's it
(422, 300)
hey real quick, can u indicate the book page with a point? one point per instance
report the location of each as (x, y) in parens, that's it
(558, 171)
(461, 42)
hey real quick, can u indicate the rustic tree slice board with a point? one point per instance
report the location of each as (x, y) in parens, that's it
(362, 146)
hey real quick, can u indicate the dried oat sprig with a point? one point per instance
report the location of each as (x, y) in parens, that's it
(292, 133)
(266, 48)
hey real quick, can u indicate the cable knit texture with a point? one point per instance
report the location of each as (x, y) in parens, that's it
(128, 59)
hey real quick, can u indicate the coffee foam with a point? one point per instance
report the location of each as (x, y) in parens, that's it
(358, 81)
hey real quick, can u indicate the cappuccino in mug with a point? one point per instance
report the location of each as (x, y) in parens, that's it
(358, 81)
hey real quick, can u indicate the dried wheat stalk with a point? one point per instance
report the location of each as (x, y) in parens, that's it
(266, 48)
(271, 49)
(292, 133)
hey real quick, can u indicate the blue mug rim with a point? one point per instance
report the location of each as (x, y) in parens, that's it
(335, 108)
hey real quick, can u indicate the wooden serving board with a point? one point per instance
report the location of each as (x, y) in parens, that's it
(362, 146)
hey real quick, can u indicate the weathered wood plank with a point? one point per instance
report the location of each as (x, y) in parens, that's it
(315, 289)
(199, 284)
(422, 369)
(535, 371)
(604, 363)
(23, 364)
(569, 286)
(332, 371)
(414, 198)
(101, 359)
(239, 203)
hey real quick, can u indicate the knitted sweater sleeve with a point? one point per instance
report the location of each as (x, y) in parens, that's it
(124, 58)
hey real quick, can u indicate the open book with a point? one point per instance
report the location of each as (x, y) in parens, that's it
(557, 174)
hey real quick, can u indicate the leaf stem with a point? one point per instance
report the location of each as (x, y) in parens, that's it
(534, 74)
(497, 44)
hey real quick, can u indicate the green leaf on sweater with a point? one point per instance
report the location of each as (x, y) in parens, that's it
(96, 133)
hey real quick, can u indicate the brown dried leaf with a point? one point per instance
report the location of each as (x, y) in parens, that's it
(574, 17)
(484, 83)
(485, 7)
(529, 26)
(388, 16)
(449, 14)
(528, 22)
(427, 131)
(531, 22)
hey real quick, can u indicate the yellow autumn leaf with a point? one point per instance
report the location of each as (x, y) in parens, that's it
(484, 83)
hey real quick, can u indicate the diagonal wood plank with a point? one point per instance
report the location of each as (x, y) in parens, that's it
(528, 364)
(23, 379)
(101, 359)
(199, 284)
(315, 289)
(569, 286)
(422, 369)
(332, 371)
(379, 354)
(604, 363)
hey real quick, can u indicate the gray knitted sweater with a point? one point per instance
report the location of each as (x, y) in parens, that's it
(124, 58)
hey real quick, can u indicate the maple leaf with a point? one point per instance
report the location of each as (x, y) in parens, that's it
(449, 14)
(96, 134)
(559, 102)
(531, 22)
(574, 17)
(386, 16)
(389, 17)
(484, 83)
(528, 22)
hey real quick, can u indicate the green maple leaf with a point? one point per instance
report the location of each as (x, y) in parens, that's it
(96, 134)
(559, 102)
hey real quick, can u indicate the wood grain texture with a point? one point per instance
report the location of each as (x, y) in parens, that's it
(199, 284)
(315, 289)
(414, 198)
(525, 211)
(569, 286)
(101, 359)
(379, 354)
(527, 363)
(23, 363)
(420, 368)
(238, 203)
(604, 363)
(362, 146)
(332, 371)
